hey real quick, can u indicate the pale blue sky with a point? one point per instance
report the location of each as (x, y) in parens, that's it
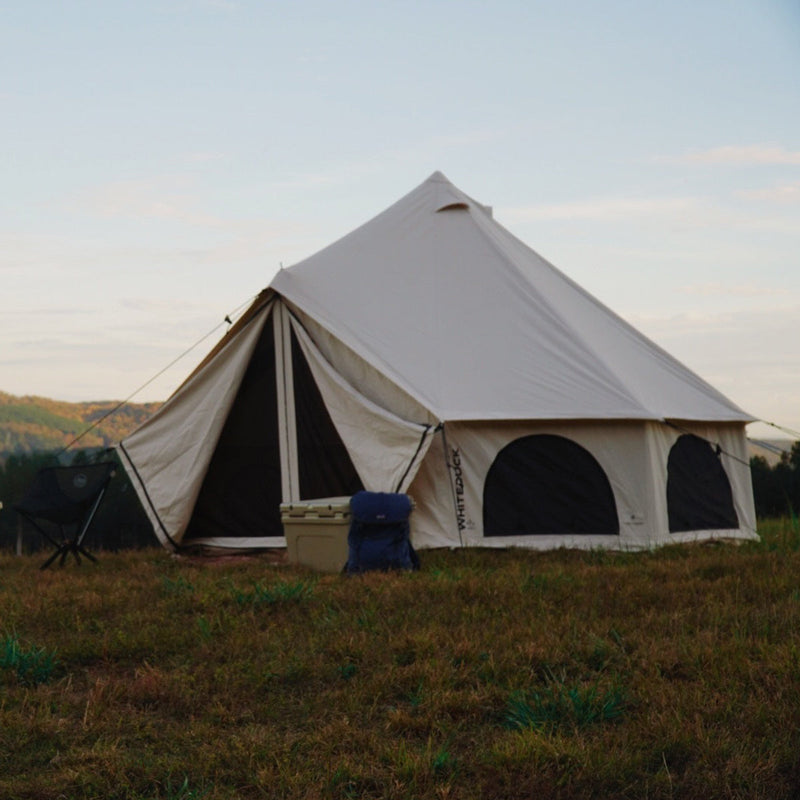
(160, 160)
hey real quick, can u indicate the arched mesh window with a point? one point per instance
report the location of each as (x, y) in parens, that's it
(545, 484)
(699, 496)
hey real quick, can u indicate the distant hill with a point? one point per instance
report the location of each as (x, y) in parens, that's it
(37, 423)
(30, 423)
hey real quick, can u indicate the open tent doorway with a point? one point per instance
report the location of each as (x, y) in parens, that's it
(242, 490)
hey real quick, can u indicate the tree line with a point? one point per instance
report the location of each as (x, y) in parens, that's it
(776, 490)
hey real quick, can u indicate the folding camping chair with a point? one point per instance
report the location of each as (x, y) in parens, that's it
(65, 499)
(379, 537)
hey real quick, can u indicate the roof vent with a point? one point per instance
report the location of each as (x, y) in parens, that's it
(458, 206)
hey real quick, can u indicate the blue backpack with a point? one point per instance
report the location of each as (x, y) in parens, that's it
(379, 535)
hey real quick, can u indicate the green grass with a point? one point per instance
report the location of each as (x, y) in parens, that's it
(558, 706)
(29, 666)
(487, 674)
(270, 594)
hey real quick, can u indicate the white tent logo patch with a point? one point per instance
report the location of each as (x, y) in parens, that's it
(458, 479)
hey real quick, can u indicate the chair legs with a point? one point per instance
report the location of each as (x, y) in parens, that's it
(63, 552)
(59, 552)
(66, 546)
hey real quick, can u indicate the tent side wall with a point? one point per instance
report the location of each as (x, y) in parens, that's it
(633, 456)
(184, 457)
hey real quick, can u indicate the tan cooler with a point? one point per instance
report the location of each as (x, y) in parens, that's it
(316, 532)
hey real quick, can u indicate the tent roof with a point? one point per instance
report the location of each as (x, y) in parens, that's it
(474, 324)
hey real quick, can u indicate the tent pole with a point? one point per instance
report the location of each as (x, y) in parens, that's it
(287, 423)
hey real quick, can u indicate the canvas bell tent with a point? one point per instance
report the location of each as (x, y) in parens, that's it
(431, 352)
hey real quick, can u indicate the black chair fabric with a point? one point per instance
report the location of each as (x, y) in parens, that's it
(66, 498)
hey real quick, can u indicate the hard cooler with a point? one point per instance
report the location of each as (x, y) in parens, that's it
(316, 532)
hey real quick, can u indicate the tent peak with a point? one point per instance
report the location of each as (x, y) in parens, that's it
(438, 177)
(448, 197)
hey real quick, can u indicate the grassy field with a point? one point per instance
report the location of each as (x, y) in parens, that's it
(512, 674)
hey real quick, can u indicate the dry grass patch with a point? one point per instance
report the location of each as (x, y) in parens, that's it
(504, 674)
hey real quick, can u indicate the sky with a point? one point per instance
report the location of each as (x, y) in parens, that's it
(160, 161)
